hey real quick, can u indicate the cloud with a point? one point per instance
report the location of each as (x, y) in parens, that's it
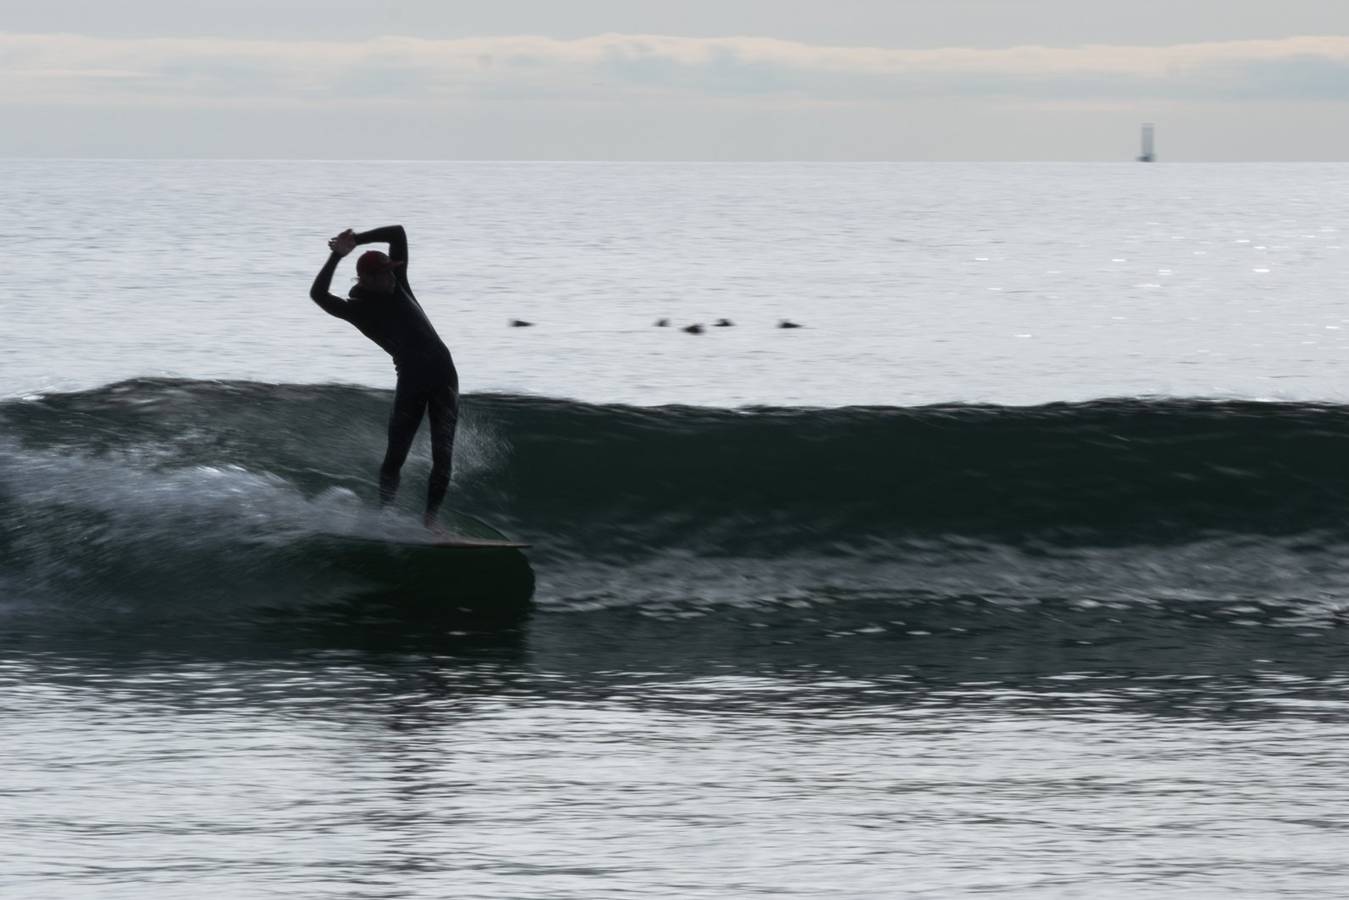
(202, 72)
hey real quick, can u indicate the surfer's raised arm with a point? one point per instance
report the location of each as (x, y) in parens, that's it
(339, 246)
(393, 235)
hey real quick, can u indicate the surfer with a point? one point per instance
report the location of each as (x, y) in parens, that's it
(382, 307)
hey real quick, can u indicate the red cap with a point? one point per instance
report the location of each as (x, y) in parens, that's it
(373, 261)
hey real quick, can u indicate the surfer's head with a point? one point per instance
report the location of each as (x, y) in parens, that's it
(376, 272)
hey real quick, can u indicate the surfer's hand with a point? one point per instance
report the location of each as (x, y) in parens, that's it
(344, 243)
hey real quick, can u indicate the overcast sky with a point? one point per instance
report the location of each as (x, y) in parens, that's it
(695, 79)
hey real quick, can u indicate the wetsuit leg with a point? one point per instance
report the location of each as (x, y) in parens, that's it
(443, 406)
(409, 402)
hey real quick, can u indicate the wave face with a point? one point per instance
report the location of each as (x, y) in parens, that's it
(772, 482)
(188, 489)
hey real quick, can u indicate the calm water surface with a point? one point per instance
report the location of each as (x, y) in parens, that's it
(918, 283)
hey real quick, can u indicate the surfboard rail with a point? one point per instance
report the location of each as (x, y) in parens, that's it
(452, 542)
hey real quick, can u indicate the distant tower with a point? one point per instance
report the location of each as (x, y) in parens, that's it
(1148, 155)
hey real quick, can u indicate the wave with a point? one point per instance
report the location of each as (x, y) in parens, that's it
(757, 481)
(213, 483)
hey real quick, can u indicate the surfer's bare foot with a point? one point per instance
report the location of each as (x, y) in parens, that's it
(433, 525)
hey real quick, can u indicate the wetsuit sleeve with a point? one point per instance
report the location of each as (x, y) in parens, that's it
(397, 239)
(393, 235)
(333, 306)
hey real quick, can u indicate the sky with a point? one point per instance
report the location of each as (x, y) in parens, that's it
(665, 80)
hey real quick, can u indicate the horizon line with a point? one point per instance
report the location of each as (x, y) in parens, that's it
(673, 160)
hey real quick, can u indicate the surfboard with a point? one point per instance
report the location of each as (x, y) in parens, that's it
(460, 531)
(450, 542)
(475, 571)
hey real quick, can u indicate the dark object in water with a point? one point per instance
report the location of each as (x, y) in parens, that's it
(485, 581)
(1149, 153)
(725, 323)
(788, 323)
(662, 323)
(521, 323)
(694, 329)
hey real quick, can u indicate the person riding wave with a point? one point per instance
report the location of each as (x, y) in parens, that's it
(383, 308)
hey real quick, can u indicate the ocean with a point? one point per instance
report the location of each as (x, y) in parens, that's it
(1016, 570)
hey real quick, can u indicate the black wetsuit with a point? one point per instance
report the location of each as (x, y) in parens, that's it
(427, 380)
